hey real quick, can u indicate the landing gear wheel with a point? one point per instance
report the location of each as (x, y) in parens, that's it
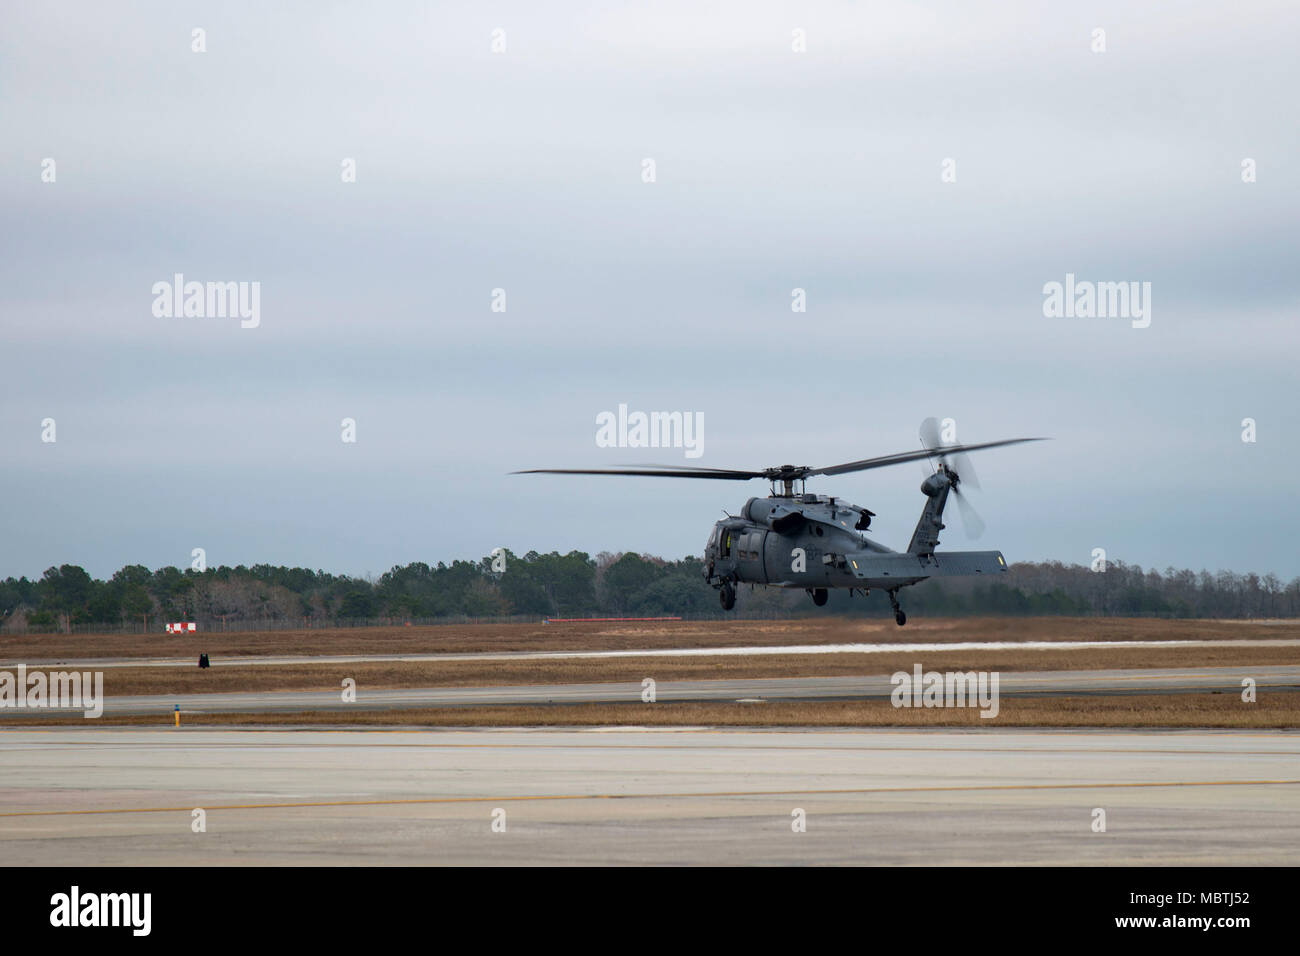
(820, 596)
(727, 597)
(899, 617)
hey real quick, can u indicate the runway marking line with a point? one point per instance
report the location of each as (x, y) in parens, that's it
(661, 796)
(773, 650)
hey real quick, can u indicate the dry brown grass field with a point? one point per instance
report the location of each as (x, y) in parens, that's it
(1181, 710)
(470, 638)
(1171, 711)
(119, 681)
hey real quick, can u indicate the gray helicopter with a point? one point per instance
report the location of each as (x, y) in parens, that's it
(795, 539)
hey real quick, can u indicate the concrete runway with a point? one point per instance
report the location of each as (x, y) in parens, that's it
(626, 796)
(1039, 683)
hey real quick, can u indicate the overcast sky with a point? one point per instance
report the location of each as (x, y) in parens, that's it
(523, 170)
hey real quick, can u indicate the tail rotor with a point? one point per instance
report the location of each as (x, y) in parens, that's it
(959, 469)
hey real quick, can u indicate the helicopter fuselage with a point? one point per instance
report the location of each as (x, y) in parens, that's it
(805, 541)
(818, 542)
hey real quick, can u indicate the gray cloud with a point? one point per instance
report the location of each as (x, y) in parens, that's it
(522, 171)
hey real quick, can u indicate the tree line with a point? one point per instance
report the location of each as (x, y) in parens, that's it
(537, 585)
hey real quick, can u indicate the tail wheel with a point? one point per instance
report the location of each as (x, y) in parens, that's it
(820, 596)
(899, 617)
(727, 596)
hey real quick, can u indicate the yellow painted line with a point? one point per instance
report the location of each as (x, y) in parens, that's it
(663, 796)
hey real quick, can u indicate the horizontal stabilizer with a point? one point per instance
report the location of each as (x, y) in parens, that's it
(872, 566)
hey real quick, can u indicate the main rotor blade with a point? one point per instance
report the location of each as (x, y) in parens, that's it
(886, 460)
(781, 473)
(663, 471)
